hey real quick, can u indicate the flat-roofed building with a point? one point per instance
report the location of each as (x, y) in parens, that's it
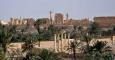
(28, 21)
(105, 22)
(24, 21)
(15, 21)
(82, 22)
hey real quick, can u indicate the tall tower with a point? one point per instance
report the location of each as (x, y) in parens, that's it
(67, 16)
(59, 18)
(51, 18)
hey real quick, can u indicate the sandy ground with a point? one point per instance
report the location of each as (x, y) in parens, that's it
(50, 44)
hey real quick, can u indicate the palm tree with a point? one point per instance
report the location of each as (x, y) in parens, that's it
(13, 29)
(80, 29)
(28, 45)
(16, 38)
(74, 33)
(5, 37)
(100, 46)
(48, 55)
(43, 54)
(93, 29)
(2, 55)
(73, 45)
(100, 50)
(37, 25)
(112, 33)
(86, 38)
(113, 29)
(53, 29)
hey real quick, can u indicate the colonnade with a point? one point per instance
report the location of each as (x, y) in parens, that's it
(61, 41)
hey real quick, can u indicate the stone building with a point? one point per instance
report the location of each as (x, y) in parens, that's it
(29, 21)
(82, 22)
(58, 18)
(19, 21)
(105, 22)
(16, 21)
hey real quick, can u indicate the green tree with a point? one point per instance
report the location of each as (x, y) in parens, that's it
(53, 29)
(28, 42)
(93, 29)
(112, 33)
(100, 51)
(16, 38)
(44, 54)
(5, 37)
(72, 46)
(12, 29)
(80, 29)
(2, 55)
(48, 55)
(86, 38)
(37, 25)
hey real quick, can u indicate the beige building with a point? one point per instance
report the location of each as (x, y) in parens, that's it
(16, 21)
(58, 18)
(29, 21)
(24, 21)
(105, 22)
(82, 22)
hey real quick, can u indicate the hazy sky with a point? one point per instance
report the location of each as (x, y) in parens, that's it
(40, 8)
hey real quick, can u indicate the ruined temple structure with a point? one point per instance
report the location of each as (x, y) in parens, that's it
(61, 42)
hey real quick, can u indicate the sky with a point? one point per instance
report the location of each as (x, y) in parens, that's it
(77, 9)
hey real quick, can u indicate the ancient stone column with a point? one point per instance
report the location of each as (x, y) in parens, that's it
(58, 38)
(68, 38)
(64, 41)
(61, 42)
(55, 47)
(65, 36)
(113, 39)
(68, 43)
